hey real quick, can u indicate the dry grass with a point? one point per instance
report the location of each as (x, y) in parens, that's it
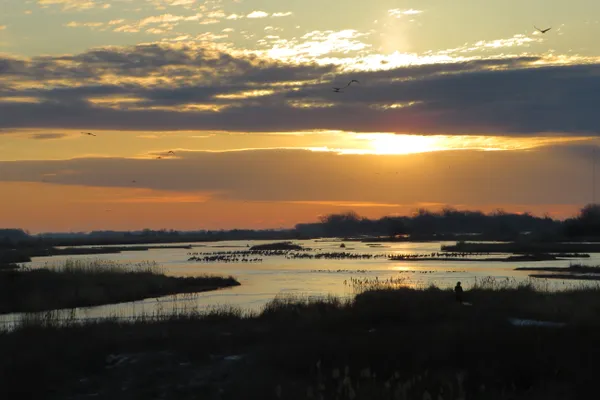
(93, 282)
(98, 266)
(390, 343)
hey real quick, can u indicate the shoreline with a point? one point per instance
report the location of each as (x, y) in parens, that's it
(567, 276)
(94, 283)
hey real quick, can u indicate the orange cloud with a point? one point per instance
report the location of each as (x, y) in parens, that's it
(42, 208)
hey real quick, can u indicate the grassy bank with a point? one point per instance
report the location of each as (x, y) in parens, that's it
(572, 272)
(575, 268)
(93, 282)
(386, 344)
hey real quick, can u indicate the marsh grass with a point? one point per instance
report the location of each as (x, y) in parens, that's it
(101, 267)
(390, 343)
(93, 282)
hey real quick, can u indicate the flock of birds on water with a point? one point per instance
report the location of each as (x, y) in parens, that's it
(367, 271)
(255, 256)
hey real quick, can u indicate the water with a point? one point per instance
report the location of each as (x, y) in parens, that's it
(276, 275)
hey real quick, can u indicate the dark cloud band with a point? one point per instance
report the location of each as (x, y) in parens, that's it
(181, 88)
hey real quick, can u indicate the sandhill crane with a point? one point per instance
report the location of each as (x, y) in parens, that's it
(542, 30)
(339, 90)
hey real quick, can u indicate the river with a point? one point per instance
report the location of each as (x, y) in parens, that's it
(277, 275)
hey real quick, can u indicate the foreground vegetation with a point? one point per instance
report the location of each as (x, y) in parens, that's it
(385, 344)
(88, 283)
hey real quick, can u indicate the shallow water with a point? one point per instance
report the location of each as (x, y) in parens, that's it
(276, 275)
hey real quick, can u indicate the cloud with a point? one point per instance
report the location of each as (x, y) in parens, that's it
(257, 14)
(185, 3)
(353, 50)
(192, 87)
(166, 22)
(316, 44)
(164, 18)
(452, 177)
(48, 136)
(518, 40)
(127, 29)
(2, 27)
(74, 24)
(262, 14)
(209, 21)
(398, 13)
(77, 5)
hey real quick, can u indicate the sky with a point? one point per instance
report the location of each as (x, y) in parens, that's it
(220, 114)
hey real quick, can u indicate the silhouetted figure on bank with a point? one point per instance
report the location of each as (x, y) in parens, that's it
(458, 290)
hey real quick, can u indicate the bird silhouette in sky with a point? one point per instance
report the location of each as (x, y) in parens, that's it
(542, 30)
(171, 152)
(88, 133)
(340, 90)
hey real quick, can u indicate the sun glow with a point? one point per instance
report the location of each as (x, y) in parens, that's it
(402, 144)
(389, 143)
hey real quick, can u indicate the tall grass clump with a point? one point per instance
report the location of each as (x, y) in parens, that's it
(360, 285)
(99, 266)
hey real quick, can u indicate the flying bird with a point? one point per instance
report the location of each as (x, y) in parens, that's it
(339, 90)
(159, 157)
(542, 30)
(171, 152)
(88, 133)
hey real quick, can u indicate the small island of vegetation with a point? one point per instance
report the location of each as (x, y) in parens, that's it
(93, 282)
(573, 271)
(276, 246)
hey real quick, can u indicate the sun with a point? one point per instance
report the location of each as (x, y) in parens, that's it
(385, 143)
